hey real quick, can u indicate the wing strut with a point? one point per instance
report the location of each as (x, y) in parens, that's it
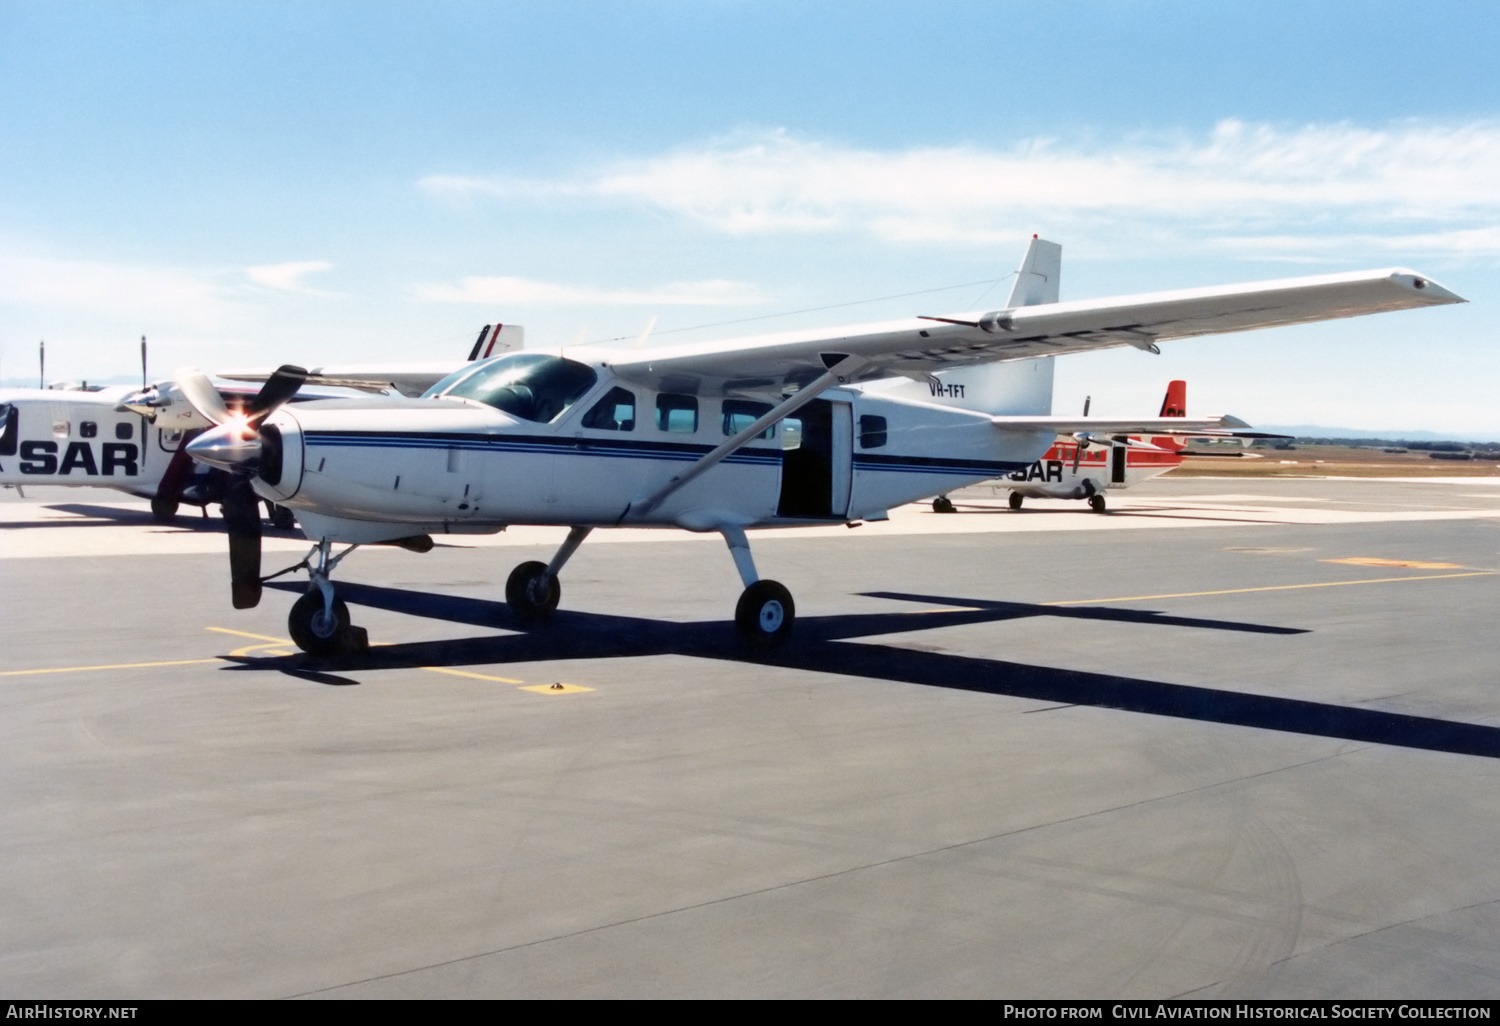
(836, 374)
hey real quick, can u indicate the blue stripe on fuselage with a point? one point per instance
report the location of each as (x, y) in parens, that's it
(633, 449)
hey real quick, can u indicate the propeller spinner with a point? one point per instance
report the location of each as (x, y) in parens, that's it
(234, 444)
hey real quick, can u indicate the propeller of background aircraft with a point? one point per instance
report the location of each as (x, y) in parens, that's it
(238, 445)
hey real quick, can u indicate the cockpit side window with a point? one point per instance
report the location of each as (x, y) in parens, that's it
(615, 412)
(530, 386)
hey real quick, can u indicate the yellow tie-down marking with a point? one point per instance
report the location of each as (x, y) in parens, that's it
(278, 647)
(1411, 563)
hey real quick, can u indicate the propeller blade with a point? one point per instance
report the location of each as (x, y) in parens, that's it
(1078, 453)
(202, 395)
(242, 520)
(279, 387)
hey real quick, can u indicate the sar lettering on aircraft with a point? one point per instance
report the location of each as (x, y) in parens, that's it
(78, 458)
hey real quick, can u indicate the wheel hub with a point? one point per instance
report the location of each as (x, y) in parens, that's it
(771, 616)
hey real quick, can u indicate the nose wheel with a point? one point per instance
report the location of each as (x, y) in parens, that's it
(765, 615)
(531, 592)
(319, 628)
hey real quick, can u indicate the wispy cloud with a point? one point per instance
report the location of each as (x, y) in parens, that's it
(518, 291)
(1434, 184)
(288, 277)
(140, 293)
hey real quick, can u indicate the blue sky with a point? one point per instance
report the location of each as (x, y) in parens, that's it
(252, 183)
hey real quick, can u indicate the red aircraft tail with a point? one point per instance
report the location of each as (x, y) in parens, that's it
(1175, 402)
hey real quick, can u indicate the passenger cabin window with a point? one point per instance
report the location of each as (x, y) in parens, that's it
(615, 412)
(741, 413)
(124, 430)
(531, 386)
(871, 432)
(87, 429)
(677, 414)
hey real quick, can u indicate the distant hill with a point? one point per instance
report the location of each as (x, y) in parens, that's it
(1317, 431)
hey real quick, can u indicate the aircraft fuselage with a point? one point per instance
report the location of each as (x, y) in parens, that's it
(440, 464)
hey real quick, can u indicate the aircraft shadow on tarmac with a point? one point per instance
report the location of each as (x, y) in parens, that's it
(824, 644)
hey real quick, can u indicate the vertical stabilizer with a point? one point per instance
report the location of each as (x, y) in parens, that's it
(1037, 280)
(1175, 402)
(1013, 387)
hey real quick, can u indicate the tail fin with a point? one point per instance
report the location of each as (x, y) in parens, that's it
(1037, 280)
(497, 339)
(1175, 402)
(1016, 388)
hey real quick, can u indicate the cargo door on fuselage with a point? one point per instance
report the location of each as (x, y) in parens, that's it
(817, 461)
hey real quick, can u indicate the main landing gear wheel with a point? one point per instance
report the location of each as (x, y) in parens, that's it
(942, 504)
(531, 593)
(282, 518)
(1015, 500)
(314, 631)
(163, 511)
(1096, 503)
(765, 615)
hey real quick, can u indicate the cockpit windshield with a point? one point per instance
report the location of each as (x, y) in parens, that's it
(531, 386)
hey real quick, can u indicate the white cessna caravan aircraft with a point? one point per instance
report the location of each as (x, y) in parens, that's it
(773, 431)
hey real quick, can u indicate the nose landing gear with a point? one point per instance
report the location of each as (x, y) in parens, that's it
(319, 621)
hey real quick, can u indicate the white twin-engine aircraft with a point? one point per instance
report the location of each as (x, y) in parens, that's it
(1080, 466)
(776, 431)
(131, 439)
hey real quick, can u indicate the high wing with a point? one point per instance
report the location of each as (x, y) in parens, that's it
(404, 378)
(770, 365)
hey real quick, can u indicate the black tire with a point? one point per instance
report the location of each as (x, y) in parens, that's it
(1015, 500)
(1096, 503)
(531, 594)
(163, 510)
(282, 518)
(312, 630)
(765, 614)
(943, 504)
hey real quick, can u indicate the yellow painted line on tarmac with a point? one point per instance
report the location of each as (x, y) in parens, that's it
(244, 634)
(111, 666)
(1274, 587)
(476, 676)
(1373, 561)
(541, 689)
(277, 646)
